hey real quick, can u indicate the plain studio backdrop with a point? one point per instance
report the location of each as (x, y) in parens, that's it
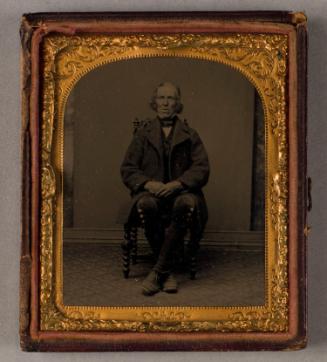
(218, 104)
(10, 179)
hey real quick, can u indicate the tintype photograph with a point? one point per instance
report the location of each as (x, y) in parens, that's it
(164, 186)
(164, 181)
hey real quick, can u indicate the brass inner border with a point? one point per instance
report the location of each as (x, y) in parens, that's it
(262, 58)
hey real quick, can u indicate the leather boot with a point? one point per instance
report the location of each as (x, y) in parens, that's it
(170, 284)
(152, 283)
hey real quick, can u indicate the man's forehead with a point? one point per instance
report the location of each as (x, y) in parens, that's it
(167, 89)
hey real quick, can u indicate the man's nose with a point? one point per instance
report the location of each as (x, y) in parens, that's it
(165, 101)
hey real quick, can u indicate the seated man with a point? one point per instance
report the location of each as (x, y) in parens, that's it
(165, 167)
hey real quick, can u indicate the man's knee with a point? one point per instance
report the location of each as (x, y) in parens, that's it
(147, 205)
(183, 208)
(184, 202)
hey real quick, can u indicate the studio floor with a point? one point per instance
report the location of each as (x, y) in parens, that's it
(93, 276)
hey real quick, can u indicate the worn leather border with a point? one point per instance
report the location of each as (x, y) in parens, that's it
(34, 27)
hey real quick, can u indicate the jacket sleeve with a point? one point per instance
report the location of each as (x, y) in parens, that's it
(130, 170)
(197, 175)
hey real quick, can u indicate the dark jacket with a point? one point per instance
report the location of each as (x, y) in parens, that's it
(188, 161)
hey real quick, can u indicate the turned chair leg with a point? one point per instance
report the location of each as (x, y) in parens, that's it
(126, 250)
(193, 249)
(133, 238)
(193, 268)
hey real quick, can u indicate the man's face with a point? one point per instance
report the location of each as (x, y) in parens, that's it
(166, 101)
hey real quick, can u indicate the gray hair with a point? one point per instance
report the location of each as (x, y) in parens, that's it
(179, 106)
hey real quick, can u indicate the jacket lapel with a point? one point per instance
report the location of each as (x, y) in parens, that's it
(154, 135)
(181, 133)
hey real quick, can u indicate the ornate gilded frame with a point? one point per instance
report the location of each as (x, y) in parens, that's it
(58, 52)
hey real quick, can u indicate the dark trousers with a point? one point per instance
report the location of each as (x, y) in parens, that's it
(165, 222)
